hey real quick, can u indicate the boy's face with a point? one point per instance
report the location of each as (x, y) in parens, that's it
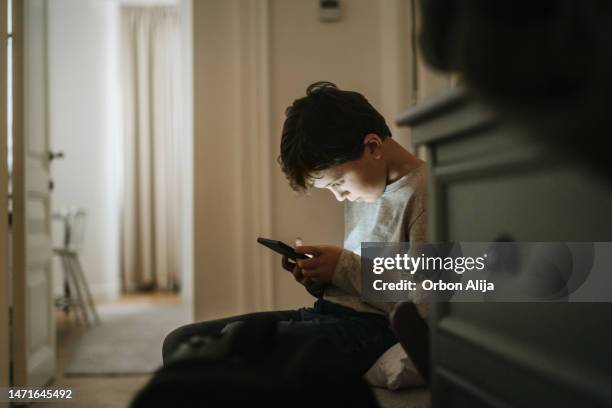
(361, 180)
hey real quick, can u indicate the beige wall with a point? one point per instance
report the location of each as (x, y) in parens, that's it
(304, 50)
(214, 162)
(429, 81)
(252, 58)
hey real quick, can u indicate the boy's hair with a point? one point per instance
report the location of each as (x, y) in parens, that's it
(323, 129)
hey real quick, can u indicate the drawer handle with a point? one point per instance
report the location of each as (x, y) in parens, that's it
(504, 237)
(503, 258)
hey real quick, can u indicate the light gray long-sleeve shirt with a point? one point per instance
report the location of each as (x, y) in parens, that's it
(397, 216)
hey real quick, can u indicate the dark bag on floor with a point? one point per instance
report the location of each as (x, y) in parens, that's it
(253, 365)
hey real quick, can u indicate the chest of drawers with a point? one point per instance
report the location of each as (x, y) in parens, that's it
(490, 180)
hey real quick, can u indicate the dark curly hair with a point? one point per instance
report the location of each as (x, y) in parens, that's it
(323, 129)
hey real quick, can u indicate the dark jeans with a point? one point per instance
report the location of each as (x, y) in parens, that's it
(362, 337)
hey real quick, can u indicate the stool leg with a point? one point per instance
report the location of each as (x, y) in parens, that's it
(79, 272)
(65, 300)
(67, 291)
(70, 282)
(74, 274)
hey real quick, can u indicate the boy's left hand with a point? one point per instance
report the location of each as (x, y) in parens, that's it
(321, 267)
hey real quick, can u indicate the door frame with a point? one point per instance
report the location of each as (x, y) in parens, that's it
(4, 270)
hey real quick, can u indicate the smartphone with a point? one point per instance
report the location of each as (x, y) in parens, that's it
(281, 248)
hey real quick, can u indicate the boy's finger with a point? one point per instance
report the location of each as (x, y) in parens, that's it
(308, 249)
(314, 279)
(308, 263)
(297, 274)
(310, 273)
(287, 265)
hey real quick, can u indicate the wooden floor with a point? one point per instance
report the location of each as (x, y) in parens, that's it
(97, 391)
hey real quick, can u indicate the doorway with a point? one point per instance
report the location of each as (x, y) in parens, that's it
(117, 112)
(85, 85)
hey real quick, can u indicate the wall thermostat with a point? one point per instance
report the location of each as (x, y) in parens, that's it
(329, 10)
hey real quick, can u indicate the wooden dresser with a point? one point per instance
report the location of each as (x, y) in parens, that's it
(490, 181)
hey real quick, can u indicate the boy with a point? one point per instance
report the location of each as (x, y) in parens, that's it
(336, 140)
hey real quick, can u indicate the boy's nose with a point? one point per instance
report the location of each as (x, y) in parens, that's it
(340, 196)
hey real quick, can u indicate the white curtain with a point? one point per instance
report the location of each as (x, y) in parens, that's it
(151, 88)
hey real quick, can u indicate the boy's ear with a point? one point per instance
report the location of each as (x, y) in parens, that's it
(373, 143)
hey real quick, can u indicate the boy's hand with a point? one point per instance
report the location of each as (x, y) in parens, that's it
(296, 271)
(294, 268)
(321, 267)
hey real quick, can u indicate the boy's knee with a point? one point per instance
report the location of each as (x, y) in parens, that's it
(181, 334)
(171, 342)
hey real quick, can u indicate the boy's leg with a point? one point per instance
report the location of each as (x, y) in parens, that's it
(361, 337)
(214, 327)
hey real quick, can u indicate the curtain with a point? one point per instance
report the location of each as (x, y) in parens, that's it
(150, 74)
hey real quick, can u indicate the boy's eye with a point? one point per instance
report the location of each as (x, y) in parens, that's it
(337, 183)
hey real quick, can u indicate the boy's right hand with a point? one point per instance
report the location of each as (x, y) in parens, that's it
(315, 289)
(294, 268)
(296, 271)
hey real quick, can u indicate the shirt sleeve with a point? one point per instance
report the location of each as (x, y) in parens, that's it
(418, 235)
(347, 275)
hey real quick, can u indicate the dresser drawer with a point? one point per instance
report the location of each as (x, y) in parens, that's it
(561, 203)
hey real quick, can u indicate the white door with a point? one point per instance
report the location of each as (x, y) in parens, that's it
(4, 283)
(33, 313)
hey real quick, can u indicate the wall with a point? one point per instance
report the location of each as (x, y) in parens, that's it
(430, 82)
(252, 58)
(304, 50)
(215, 272)
(85, 124)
